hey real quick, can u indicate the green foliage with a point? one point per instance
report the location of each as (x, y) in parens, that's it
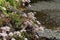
(27, 35)
(18, 38)
(3, 10)
(1, 22)
(5, 4)
(13, 3)
(0, 2)
(16, 20)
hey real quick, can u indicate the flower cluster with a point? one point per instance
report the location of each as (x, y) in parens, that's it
(29, 24)
(26, 3)
(20, 23)
(10, 34)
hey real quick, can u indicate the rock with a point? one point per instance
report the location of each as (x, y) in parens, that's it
(48, 33)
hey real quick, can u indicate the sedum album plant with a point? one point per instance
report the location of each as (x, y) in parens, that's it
(15, 24)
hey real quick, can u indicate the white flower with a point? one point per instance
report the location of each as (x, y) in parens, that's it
(7, 28)
(14, 32)
(4, 38)
(2, 15)
(17, 33)
(41, 28)
(30, 15)
(13, 39)
(25, 39)
(34, 18)
(26, 1)
(4, 34)
(11, 34)
(23, 30)
(24, 15)
(29, 23)
(38, 22)
(23, 4)
(17, 0)
(4, 8)
(29, 5)
(36, 36)
(36, 29)
(26, 23)
(34, 12)
(3, 28)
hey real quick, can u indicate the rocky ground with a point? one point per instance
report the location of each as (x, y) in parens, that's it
(50, 8)
(45, 5)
